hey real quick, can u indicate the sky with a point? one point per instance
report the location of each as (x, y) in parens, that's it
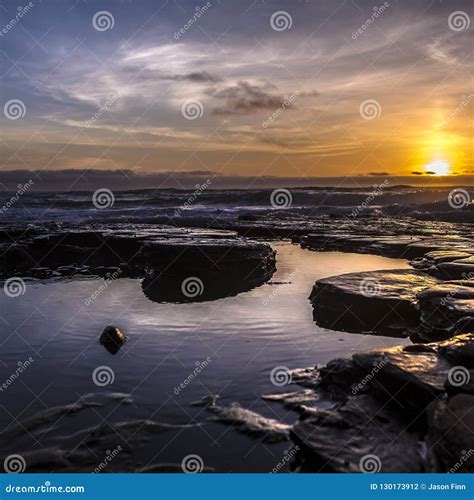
(238, 88)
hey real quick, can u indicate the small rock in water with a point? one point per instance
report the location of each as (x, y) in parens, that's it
(112, 339)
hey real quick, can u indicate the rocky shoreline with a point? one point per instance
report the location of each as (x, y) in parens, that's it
(404, 409)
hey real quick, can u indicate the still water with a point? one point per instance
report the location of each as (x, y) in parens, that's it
(242, 338)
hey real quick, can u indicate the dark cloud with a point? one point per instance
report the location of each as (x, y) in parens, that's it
(246, 98)
(197, 77)
(379, 174)
(428, 172)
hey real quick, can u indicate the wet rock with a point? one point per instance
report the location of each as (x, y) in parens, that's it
(205, 270)
(465, 324)
(306, 377)
(112, 339)
(388, 246)
(458, 350)
(293, 400)
(378, 302)
(430, 260)
(163, 256)
(458, 269)
(362, 435)
(407, 378)
(209, 400)
(249, 422)
(442, 306)
(451, 434)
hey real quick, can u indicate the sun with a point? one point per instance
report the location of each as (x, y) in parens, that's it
(438, 167)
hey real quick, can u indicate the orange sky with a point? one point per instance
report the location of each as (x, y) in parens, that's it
(330, 95)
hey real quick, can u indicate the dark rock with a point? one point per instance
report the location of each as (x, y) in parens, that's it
(465, 324)
(378, 302)
(430, 260)
(451, 434)
(112, 339)
(164, 256)
(461, 269)
(362, 435)
(442, 306)
(205, 270)
(407, 379)
(459, 350)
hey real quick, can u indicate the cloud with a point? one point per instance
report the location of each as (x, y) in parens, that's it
(245, 98)
(428, 172)
(197, 77)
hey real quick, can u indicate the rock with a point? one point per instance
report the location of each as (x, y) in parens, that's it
(465, 324)
(362, 435)
(407, 378)
(378, 302)
(458, 350)
(205, 270)
(442, 306)
(252, 423)
(461, 269)
(112, 339)
(164, 256)
(293, 400)
(430, 260)
(450, 434)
